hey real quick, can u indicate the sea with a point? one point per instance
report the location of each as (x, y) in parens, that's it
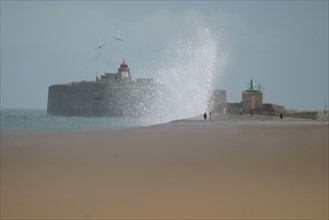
(37, 120)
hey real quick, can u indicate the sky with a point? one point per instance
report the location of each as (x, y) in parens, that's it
(283, 45)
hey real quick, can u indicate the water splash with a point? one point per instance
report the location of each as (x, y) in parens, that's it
(187, 72)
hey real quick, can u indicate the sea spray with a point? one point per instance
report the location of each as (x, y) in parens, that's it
(187, 72)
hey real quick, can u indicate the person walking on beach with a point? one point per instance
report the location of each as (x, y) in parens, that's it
(205, 116)
(281, 116)
(210, 115)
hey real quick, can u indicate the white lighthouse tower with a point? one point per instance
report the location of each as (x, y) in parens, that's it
(123, 71)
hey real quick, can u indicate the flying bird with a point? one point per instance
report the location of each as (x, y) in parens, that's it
(100, 45)
(118, 36)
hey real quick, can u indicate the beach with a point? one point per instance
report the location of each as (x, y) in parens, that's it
(238, 168)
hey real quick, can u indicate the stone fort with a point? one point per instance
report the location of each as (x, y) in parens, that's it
(252, 102)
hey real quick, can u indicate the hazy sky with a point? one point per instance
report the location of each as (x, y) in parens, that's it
(282, 45)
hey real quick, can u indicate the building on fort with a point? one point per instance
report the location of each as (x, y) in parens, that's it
(123, 74)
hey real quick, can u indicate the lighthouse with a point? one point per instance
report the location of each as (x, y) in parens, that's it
(252, 98)
(123, 71)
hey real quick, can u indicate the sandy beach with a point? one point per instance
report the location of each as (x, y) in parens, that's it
(239, 168)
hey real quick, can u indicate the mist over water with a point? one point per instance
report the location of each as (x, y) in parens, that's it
(190, 65)
(29, 120)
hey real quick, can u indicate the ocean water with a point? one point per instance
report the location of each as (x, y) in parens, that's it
(27, 120)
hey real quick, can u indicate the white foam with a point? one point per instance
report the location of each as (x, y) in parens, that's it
(189, 67)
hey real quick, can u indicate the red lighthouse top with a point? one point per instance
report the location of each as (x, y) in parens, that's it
(124, 65)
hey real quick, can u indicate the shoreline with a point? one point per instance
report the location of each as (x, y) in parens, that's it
(216, 118)
(190, 168)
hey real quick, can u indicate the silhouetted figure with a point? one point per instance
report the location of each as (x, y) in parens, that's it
(205, 116)
(210, 115)
(251, 113)
(281, 116)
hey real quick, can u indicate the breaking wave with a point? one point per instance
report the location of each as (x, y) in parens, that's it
(188, 70)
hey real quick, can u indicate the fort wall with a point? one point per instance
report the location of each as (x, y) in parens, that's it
(97, 98)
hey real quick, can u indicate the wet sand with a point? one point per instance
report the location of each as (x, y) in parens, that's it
(224, 168)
